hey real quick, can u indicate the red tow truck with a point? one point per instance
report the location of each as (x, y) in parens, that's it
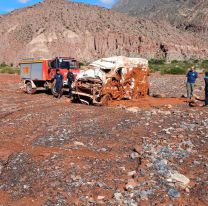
(39, 73)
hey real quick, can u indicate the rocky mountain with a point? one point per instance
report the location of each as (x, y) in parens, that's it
(62, 28)
(185, 14)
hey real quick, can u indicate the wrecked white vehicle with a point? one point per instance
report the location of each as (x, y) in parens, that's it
(113, 78)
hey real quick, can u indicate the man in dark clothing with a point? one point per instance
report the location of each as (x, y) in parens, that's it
(192, 75)
(70, 77)
(58, 82)
(206, 89)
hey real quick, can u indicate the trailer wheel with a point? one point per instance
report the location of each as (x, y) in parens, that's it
(105, 100)
(29, 88)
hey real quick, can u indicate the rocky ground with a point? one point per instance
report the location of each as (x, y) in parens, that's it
(174, 86)
(150, 151)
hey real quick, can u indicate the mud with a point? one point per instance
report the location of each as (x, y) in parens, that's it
(135, 84)
(120, 78)
(53, 152)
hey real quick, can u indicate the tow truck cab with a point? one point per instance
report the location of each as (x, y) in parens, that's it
(39, 73)
(63, 64)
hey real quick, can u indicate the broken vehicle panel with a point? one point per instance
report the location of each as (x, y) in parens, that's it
(113, 78)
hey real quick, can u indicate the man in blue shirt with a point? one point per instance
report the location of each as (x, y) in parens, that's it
(192, 75)
(58, 82)
(206, 89)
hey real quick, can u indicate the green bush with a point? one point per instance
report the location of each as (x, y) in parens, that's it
(195, 61)
(4, 68)
(204, 64)
(154, 68)
(3, 64)
(81, 64)
(174, 62)
(176, 66)
(176, 70)
(156, 61)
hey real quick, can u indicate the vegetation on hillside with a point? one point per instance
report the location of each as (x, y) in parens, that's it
(156, 65)
(176, 67)
(9, 69)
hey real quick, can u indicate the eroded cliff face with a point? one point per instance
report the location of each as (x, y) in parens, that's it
(191, 15)
(59, 28)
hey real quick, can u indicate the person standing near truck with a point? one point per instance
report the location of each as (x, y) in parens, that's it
(206, 89)
(58, 83)
(192, 75)
(70, 78)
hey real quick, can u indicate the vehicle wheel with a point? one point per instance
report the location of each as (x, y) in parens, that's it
(29, 88)
(105, 100)
(75, 98)
(53, 91)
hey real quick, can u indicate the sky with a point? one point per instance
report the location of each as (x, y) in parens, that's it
(9, 5)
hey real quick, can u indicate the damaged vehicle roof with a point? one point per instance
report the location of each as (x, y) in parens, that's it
(119, 61)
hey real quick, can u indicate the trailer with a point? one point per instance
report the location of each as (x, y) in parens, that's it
(39, 73)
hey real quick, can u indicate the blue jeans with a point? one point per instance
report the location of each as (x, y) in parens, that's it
(190, 89)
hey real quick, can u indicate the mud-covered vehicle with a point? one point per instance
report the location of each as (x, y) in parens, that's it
(113, 78)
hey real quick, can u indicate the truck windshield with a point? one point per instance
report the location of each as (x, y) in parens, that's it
(63, 64)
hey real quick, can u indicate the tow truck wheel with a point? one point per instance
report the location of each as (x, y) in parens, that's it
(53, 91)
(105, 100)
(29, 88)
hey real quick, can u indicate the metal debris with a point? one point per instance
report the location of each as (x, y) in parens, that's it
(113, 78)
